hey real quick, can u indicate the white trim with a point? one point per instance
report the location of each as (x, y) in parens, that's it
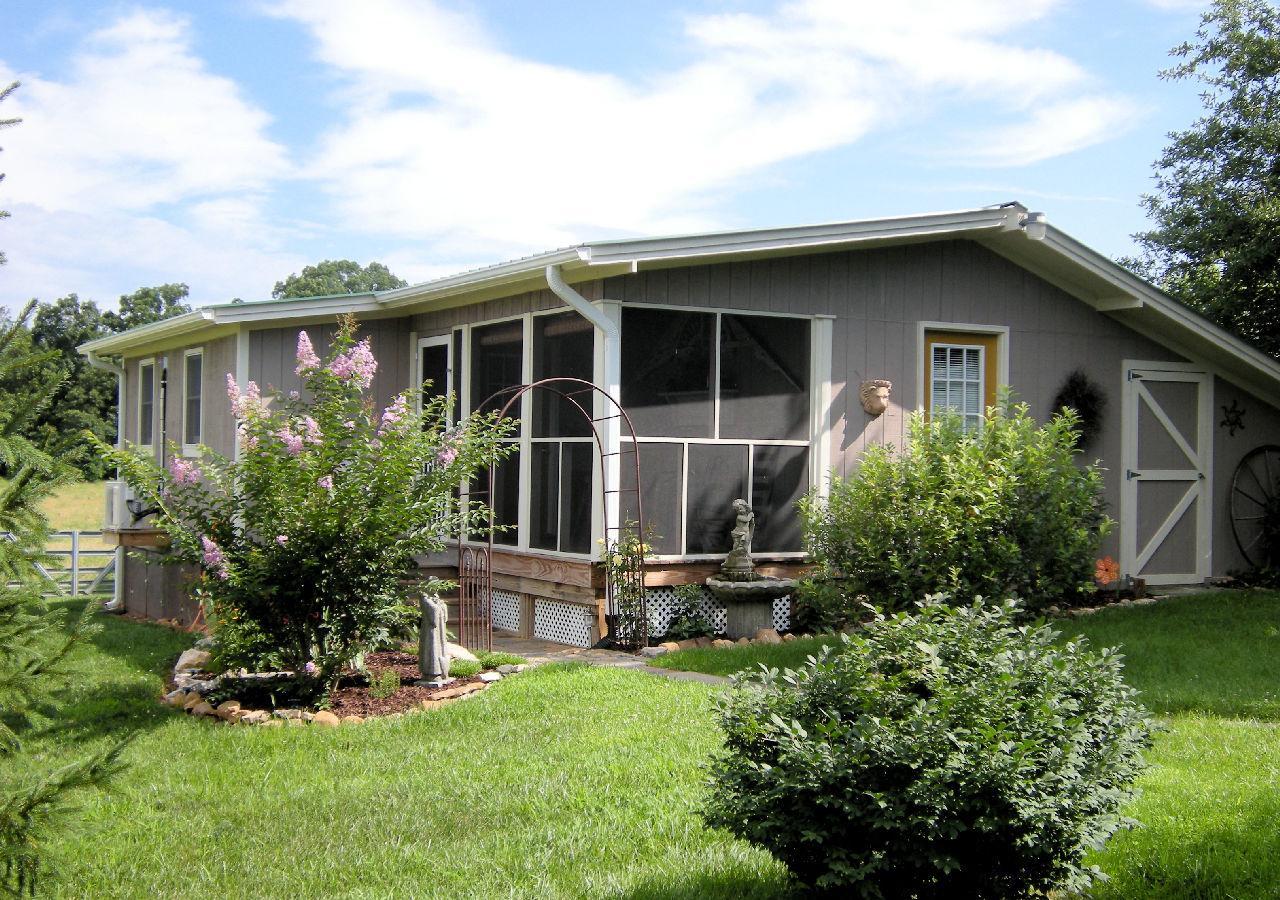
(435, 340)
(137, 417)
(242, 380)
(1000, 332)
(820, 397)
(1198, 476)
(192, 449)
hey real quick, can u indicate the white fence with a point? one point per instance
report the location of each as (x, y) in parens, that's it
(80, 565)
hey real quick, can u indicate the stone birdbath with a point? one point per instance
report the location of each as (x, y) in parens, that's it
(747, 595)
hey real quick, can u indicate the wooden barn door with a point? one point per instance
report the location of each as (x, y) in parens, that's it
(1166, 506)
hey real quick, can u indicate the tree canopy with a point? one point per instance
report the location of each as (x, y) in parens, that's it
(1215, 243)
(337, 276)
(147, 305)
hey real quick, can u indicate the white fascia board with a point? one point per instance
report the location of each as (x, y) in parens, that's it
(302, 308)
(1170, 309)
(806, 236)
(145, 334)
(478, 279)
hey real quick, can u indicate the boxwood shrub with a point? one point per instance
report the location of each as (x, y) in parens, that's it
(946, 753)
(1004, 511)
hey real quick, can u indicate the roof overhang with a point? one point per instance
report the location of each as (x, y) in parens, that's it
(1052, 255)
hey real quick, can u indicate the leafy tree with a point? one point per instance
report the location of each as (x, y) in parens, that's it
(337, 276)
(147, 305)
(1216, 240)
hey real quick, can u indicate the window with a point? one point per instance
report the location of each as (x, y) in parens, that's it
(736, 389)
(192, 371)
(435, 369)
(146, 402)
(961, 374)
(497, 362)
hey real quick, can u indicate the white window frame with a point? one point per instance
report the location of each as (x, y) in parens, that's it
(192, 449)
(137, 424)
(437, 340)
(924, 364)
(964, 414)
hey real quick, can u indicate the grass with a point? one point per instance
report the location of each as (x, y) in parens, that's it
(789, 655)
(569, 781)
(565, 781)
(76, 506)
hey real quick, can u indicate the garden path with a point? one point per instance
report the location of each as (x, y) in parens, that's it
(538, 651)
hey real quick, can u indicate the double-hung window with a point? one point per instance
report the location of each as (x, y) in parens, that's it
(146, 402)
(961, 374)
(192, 411)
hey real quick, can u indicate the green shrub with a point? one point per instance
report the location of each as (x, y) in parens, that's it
(464, 668)
(688, 620)
(491, 659)
(383, 683)
(824, 606)
(948, 753)
(1005, 511)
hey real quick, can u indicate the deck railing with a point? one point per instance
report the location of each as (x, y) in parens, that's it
(81, 564)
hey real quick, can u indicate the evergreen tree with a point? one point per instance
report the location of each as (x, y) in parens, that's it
(34, 642)
(1216, 209)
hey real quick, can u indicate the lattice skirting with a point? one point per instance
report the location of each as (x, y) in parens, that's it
(663, 604)
(563, 623)
(506, 610)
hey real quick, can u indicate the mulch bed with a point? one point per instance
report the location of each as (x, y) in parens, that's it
(355, 700)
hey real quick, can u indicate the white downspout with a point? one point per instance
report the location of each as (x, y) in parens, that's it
(116, 603)
(610, 382)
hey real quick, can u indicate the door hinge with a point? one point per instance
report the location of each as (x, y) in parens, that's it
(1134, 374)
(1129, 474)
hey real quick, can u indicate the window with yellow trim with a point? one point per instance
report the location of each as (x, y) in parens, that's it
(960, 374)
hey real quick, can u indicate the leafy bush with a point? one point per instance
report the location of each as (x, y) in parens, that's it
(491, 659)
(304, 539)
(464, 668)
(948, 753)
(824, 606)
(688, 620)
(383, 683)
(1005, 511)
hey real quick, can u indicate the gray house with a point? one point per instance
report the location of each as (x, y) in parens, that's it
(740, 357)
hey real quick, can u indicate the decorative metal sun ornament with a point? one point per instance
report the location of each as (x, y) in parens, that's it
(1232, 418)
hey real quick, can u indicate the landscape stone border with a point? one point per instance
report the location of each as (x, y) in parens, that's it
(763, 636)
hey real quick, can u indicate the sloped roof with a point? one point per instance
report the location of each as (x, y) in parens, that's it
(1008, 229)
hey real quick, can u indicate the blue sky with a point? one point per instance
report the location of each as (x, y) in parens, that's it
(229, 144)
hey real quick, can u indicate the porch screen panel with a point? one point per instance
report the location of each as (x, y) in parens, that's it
(497, 362)
(764, 377)
(779, 478)
(577, 462)
(505, 499)
(667, 371)
(717, 477)
(544, 495)
(563, 347)
(661, 476)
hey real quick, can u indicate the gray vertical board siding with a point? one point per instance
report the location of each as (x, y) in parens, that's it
(1261, 427)
(273, 355)
(880, 297)
(219, 430)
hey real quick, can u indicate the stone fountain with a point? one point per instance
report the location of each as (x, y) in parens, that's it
(747, 595)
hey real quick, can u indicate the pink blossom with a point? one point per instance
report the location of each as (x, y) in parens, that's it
(446, 454)
(350, 423)
(394, 414)
(326, 482)
(358, 364)
(282, 539)
(310, 668)
(307, 359)
(247, 440)
(247, 404)
(183, 472)
(213, 557)
(294, 395)
(311, 431)
(292, 442)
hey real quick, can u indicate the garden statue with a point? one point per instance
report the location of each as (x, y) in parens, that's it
(874, 395)
(739, 559)
(433, 655)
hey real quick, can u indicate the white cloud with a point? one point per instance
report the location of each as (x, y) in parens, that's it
(450, 139)
(138, 162)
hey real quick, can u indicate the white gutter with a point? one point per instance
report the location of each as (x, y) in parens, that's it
(116, 603)
(561, 289)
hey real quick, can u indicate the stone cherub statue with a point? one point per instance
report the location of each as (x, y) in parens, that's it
(433, 654)
(738, 562)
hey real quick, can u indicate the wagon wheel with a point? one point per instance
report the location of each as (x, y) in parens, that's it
(1255, 506)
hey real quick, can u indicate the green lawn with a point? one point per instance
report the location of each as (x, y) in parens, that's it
(564, 781)
(76, 506)
(569, 781)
